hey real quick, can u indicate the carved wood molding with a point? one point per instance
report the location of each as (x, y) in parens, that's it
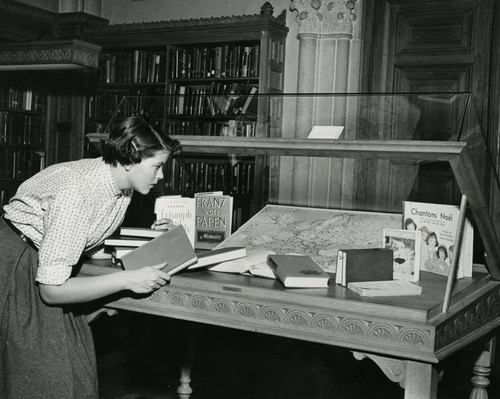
(70, 52)
(477, 315)
(325, 325)
(266, 15)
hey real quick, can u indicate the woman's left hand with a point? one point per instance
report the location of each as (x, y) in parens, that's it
(163, 224)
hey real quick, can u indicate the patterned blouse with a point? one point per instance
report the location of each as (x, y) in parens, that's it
(66, 210)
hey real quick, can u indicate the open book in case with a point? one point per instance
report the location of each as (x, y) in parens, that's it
(384, 149)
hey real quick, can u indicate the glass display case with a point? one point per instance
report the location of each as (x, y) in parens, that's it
(360, 152)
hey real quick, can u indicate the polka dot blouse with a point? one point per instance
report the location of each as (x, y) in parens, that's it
(66, 210)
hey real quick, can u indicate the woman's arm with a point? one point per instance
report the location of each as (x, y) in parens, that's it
(84, 289)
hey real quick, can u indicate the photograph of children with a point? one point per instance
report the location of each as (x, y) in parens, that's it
(406, 248)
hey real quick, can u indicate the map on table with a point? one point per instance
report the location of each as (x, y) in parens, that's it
(316, 232)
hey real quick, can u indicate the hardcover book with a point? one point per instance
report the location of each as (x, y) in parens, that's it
(213, 219)
(126, 241)
(171, 249)
(438, 225)
(364, 264)
(298, 271)
(181, 210)
(209, 258)
(406, 250)
(140, 232)
(385, 288)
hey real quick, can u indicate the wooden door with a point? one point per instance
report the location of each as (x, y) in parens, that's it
(425, 46)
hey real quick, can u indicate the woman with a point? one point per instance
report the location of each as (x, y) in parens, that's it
(61, 213)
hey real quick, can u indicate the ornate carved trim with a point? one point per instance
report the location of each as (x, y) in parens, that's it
(321, 17)
(265, 15)
(74, 52)
(394, 369)
(340, 326)
(470, 319)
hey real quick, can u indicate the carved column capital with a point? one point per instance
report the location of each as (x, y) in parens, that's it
(325, 17)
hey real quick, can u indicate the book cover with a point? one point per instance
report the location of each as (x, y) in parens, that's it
(364, 264)
(298, 271)
(140, 232)
(181, 210)
(438, 226)
(213, 219)
(172, 249)
(385, 288)
(215, 256)
(406, 250)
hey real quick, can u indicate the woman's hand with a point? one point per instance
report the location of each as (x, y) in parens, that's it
(163, 224)
(147, 279)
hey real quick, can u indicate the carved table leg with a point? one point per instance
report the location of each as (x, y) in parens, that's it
(184, 390)
(420, 380)
(482, 370)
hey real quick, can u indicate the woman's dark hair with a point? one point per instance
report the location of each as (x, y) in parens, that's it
(134, 140)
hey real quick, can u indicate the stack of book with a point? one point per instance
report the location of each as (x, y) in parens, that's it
(129, 239)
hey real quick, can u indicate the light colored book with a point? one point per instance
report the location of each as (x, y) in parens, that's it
(215, 256)
(213, 219)
(438, 225)
(140, 232)
(385, 288)
(181, 210)
(253, 264)
(405, 245)
(126, 241)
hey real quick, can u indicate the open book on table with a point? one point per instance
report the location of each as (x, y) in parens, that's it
(253, 264)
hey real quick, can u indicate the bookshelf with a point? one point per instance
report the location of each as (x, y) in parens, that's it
(199, 77)
(23, 117)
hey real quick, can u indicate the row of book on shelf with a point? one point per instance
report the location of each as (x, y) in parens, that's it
(20, 163)
(138, 66)
(21, 129)
(186, 175)
(225, 128)
(392, 268)
(146, 102)
(216, 99)
(224, 61)
(22, 99)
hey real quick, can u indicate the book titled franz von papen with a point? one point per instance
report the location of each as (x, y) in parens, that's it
(213, 216)
(405, 245)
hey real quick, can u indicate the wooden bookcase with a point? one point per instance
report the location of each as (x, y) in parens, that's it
(179, 75)
(23, 118)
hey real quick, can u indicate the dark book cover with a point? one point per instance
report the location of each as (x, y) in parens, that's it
(364, 264)
(172, 249)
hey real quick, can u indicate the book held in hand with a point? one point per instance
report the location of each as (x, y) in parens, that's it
(298, 271)
(172, 249)
(364, 264)
(385, 288)
(215, 256)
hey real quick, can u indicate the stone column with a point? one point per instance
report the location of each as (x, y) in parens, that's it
(325, 33)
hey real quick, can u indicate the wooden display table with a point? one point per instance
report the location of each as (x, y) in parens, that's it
(406, 336)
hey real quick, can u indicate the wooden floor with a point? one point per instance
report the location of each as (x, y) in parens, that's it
(139, 357)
